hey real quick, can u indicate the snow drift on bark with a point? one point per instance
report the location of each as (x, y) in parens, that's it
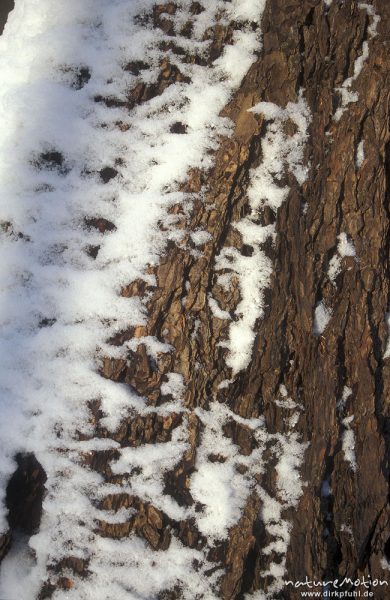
(71, 153)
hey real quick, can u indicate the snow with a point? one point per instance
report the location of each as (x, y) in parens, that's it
(387, 349)
(59, 169)
(281, 153)
(200, 237)
(372, 28)
(346, 529)
(221, 487)
(348, 443)
(345, 247)
(322, 316)
(347, 95)
(174, 386)
(285, 401)
(288, 450)
(224, 384)
(385, 564)
(347, 393)
(218, 485)
(216, 311)
(247, 10)
(360, 154)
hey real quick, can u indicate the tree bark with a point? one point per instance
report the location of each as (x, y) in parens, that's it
(340, 527)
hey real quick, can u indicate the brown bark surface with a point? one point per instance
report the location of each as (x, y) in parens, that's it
(345, 533)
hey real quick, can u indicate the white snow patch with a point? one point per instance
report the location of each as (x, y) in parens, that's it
(347, 95)
(218, 485)
(247, 10)
(348, 443)
(345, 247)
(347, 393)
(322, 316)
(200, 237)
(385, 564)
(360, 154)
(346, 529)
(387, 350)
(372, 28)
(280, 153)
(174, 386)
(216, 310)
(289, 451)
(225, 384)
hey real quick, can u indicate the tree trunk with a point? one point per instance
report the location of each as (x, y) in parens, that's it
(299, 434)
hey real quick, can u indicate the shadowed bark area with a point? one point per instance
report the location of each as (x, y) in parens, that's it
(25, 492)
(341, 526)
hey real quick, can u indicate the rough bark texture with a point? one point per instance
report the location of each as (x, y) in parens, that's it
(346, 533)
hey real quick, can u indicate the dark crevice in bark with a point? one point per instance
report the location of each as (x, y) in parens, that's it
(25, 492)
(5, 9)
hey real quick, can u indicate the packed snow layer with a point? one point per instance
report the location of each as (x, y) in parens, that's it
(67, 158)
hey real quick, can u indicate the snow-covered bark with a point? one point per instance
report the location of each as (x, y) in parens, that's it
(193, 372)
